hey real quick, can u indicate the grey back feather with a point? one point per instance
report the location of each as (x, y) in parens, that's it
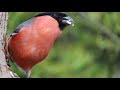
(28, 22)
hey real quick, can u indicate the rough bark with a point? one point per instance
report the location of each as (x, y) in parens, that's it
(5, 71)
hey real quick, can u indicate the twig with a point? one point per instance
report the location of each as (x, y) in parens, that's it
(101, 29)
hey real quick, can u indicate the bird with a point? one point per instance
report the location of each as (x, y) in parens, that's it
(33, 39)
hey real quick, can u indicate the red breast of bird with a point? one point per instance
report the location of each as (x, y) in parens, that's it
(33, 42)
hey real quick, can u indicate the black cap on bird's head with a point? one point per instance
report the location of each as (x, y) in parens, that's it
(63, 19)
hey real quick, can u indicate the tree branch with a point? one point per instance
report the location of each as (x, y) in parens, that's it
(5, 71)
(101, 29)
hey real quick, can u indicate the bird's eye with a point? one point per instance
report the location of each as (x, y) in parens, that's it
(54, 15)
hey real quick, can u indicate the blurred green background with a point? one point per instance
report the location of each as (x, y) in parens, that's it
(90, 49)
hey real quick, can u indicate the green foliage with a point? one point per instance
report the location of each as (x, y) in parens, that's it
(89, 49)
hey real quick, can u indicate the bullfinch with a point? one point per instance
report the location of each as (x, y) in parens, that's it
(32, 40)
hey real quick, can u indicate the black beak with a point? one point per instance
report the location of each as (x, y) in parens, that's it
(68, 20)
